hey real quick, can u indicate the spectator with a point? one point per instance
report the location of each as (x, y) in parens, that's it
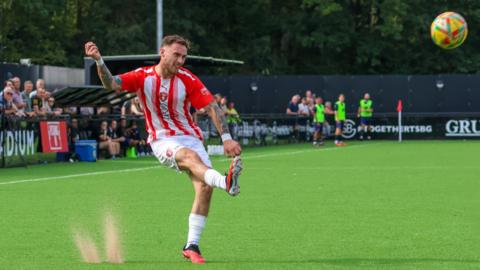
(310, 99)
(7, 106)
(223, 105)
(132, 107)
(115, 135)
(303, 109)
(292, 108)
(40, 103)
(73, 137)
(218, 98)
(105, 142)
(329, 119)
(27, 89)
(39, 84)
(17, 96)
(52, 109)
(132, 137)
(233, 118)
(8, 83)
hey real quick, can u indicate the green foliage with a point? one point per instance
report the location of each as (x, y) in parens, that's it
(287, 37)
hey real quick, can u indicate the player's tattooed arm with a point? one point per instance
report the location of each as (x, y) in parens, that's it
(218, 117)
(109, 82)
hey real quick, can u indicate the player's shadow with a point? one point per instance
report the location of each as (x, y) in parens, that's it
(358, 261)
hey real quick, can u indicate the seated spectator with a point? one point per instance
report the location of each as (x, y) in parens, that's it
(303, 109)
(40, 102)
(73, 134)
(115, 135)
(27, 89)
(132, 107)
(52, 109)
(105, 141)
(7, 106)
(292, 108)
(132, 137)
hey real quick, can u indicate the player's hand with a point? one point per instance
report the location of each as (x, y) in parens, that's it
(91, 50)
(232, 148)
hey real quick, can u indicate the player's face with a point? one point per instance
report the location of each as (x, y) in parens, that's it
(173, 57)
(341, 98)
(366, 96)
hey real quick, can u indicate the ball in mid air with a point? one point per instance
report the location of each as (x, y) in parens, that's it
(449, 30)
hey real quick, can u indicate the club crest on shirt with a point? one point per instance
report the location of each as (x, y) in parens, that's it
(163, 96)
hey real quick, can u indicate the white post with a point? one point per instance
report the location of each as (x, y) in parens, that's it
(399, 126)
(159, 23)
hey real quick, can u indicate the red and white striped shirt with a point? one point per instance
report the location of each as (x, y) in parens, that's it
(166, 102)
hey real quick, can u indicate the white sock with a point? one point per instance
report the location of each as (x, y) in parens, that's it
(215, 179)
(196, 223)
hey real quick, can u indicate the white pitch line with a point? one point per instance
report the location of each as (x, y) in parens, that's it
(158, 166)
(298, 152)
(77, 175)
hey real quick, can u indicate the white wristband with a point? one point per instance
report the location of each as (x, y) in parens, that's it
(100, 62)
(226, 137)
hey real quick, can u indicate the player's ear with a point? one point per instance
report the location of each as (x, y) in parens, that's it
(162, 51)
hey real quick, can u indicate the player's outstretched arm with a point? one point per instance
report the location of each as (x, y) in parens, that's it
(232, 148)
(109, 82)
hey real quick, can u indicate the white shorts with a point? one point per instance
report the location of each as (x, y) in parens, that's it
(165, 149)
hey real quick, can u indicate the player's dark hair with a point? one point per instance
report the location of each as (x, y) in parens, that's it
(169, 40)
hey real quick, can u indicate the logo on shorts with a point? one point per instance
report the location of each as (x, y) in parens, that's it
(169, 153)
(349, 129)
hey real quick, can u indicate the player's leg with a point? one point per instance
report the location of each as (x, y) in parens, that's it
(197, 219)
(195, 159)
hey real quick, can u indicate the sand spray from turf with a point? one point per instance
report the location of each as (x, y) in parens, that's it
(113, 248)
(113, 245)
(86, 246)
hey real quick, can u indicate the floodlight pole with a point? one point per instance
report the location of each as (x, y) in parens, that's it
(159, 24)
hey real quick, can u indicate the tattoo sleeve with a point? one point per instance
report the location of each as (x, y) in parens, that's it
(108, 81)
(218, 117)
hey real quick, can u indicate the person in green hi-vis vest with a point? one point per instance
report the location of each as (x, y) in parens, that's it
(319, 113)
(233, 118)
(340, 117)
(365, 112)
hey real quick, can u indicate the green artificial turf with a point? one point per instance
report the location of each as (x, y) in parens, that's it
(372, 205)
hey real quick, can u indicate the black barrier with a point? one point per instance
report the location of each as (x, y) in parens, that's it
(20, 138)
(267, 129)
(20, 143)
